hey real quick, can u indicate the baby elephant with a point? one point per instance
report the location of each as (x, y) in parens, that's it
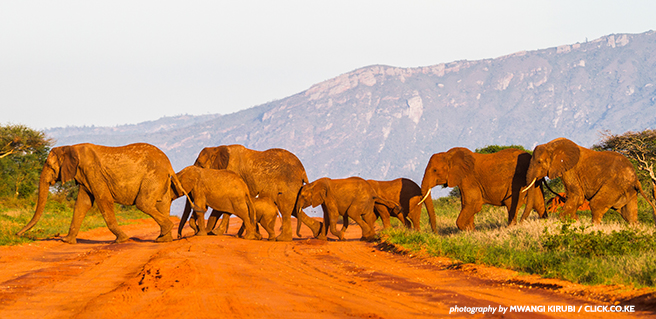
(266, 212)
(349, 197)
(222, 190)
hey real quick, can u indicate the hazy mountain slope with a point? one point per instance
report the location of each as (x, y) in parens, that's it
(384, 122)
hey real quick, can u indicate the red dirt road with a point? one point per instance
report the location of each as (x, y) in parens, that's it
(228, 277)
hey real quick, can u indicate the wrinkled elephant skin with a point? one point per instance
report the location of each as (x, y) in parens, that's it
(606, 179)
(275, 173)
(495, 179)
(136, 174)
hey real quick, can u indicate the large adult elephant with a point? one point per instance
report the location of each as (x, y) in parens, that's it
(496, 179)
(606, 179)
(275, 173)
(136, 174)
(407, 194)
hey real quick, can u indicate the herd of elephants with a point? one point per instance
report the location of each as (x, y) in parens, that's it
(256, 186)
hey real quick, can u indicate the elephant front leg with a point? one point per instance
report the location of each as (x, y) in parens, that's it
(200, 222)
(82, 205)
(574, 200)
(384, 214)
(268, 224)
(465, 219)
(286, 213)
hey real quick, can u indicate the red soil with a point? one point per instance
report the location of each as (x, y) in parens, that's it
(228, 277)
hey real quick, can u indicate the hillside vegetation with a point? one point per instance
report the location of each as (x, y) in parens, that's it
(578, 251)
(384, 122)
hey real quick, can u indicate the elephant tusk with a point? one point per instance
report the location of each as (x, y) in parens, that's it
(423, 199)
(529, 186)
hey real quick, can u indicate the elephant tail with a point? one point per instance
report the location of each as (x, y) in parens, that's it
(639, 188)
(251, 210)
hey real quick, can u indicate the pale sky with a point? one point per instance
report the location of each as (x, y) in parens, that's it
(106, 63)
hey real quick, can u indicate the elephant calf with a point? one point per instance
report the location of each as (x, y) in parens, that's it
(349, 197)
(407, 194)
(221, 190)
(266, 212)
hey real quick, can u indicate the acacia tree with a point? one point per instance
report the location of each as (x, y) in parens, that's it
(22, 154)
(639, 147)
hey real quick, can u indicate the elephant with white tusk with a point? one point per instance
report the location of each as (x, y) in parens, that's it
(606, 179)
(496, 179)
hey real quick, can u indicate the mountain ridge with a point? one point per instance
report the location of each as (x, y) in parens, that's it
(384, 122)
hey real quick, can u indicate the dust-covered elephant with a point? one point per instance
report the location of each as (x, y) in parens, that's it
(350, 197)
(407, 194)
(222, 190)
(606, 179)
(266, 213)
(496, 179)
(275, 173)
(136, 174)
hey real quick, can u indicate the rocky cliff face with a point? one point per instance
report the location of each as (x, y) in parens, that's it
(384, 122)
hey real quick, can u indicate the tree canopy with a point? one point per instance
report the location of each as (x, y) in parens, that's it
(638, 147)
(22, 154)
(495, 148)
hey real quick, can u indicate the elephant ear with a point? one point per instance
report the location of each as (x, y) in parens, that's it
(319, 193)
(222, 158)
(565, 155)
(461, 163)
(69, 159)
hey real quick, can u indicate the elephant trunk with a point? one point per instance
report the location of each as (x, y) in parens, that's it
(298, 210)
(301, 217)
(428, 202)
(44, 188)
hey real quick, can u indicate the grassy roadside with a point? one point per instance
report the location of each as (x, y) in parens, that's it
(578, 251)
(55, 221)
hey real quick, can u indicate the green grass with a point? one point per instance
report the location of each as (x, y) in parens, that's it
(55, 221)
(578, 251)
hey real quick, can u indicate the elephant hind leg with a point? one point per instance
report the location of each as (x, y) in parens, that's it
(368, 233)
(211, 221)
(159, 211)
(224, 225)
(106, 208)
(630, 211)
(241, 210)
